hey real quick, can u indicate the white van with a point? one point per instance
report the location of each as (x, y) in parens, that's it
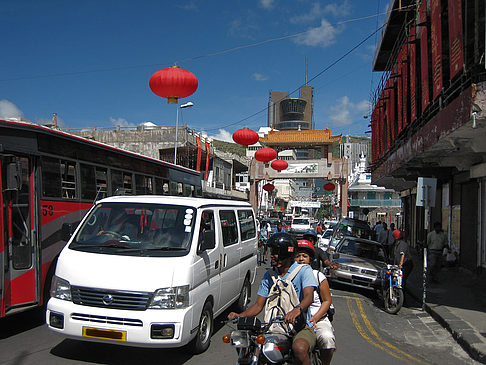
(300, 225)
(153, 271)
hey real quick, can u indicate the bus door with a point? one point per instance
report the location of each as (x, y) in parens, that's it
(17, 232)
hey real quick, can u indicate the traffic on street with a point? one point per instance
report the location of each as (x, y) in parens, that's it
(365, 334)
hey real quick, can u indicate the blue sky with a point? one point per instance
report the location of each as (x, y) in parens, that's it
(90, 61)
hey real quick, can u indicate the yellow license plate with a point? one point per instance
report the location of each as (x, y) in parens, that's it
(104, 334)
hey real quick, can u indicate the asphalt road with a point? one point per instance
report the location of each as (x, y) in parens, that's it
(365, 335)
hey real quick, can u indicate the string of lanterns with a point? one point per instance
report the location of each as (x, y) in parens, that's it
(247, 137)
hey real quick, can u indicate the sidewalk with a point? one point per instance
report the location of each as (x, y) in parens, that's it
(458, 303)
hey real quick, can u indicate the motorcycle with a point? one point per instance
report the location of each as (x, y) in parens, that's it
(393, 296)
(255, 345)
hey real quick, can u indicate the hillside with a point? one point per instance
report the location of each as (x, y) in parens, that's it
(229, 147)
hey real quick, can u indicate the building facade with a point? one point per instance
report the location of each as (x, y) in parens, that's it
(429, 118)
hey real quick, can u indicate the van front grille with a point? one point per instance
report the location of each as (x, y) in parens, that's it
(113, 299)
(107, 320)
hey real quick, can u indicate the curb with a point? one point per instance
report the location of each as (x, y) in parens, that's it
(461, 332)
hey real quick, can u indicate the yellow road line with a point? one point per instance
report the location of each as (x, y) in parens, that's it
(362, 332)
(374, 333)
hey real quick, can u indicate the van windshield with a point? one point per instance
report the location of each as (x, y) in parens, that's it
(137, 229)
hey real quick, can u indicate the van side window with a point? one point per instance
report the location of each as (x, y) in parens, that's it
(228, 227)
(207, 225)
(247, 224)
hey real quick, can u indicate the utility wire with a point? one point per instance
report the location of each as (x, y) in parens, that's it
(312, 78)
(217, 53)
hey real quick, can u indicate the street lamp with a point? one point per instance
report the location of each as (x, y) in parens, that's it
(186, 105)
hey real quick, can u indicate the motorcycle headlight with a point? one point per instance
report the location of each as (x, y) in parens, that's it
(60, 288)
(170, 298)
(240, 339)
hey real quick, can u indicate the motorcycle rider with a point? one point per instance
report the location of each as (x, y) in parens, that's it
(321, 304)
(321, 256)
(282, 251)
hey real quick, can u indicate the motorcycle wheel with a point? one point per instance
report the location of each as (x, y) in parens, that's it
(203, 337)
(394, 302)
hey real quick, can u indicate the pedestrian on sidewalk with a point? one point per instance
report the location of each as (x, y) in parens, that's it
(402, 256)
(375, 232)
(436, 242)
(385, 237)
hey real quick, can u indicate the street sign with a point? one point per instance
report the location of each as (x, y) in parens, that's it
(426, 187)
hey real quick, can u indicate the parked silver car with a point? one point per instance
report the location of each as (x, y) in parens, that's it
(359, 262)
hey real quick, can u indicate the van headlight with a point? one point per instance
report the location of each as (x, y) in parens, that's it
(170, 298)
(60, 288)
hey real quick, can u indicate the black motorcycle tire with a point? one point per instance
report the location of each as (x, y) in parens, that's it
(393, 305)
(205, 329)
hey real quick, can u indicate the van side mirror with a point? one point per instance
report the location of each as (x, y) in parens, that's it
(335, 255)
(207, 241)
(14, 176)
(67, 230)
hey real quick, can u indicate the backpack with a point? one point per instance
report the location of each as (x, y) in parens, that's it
(282, 298)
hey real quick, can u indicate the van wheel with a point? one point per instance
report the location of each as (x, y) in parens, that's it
(244, 298)
(203, 337)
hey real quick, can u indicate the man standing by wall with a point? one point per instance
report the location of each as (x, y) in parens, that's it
(436, 242)
(385, 237)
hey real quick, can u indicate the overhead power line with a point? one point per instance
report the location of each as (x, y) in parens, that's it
(211, 54)
(311, 79)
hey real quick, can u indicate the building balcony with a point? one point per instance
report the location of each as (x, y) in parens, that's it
(375, 203)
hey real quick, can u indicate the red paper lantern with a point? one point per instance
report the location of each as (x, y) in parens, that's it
(268, 187)
(173, 83)
(265, 154)
(329, 187)
(279, 165)
(246, 136)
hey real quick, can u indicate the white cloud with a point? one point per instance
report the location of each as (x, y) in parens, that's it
(224, 136)
(191, 5)
(322, 36)
(9, 110)
(267, 4)
(122, 122)
(244, 26)
(316, 11)
(338, 9)
(346, 112)
(259, 77)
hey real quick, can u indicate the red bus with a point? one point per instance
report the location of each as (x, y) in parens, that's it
(49, 179)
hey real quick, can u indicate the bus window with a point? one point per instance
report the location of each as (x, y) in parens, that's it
(101, 182)
(143, 184)
(88, 182)
(158, 186)
(51, 178)
(68, 179)
(116, 181)
(173, 188)
(20, 225)
(127, 183)
(165, 188)
(188, 190)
